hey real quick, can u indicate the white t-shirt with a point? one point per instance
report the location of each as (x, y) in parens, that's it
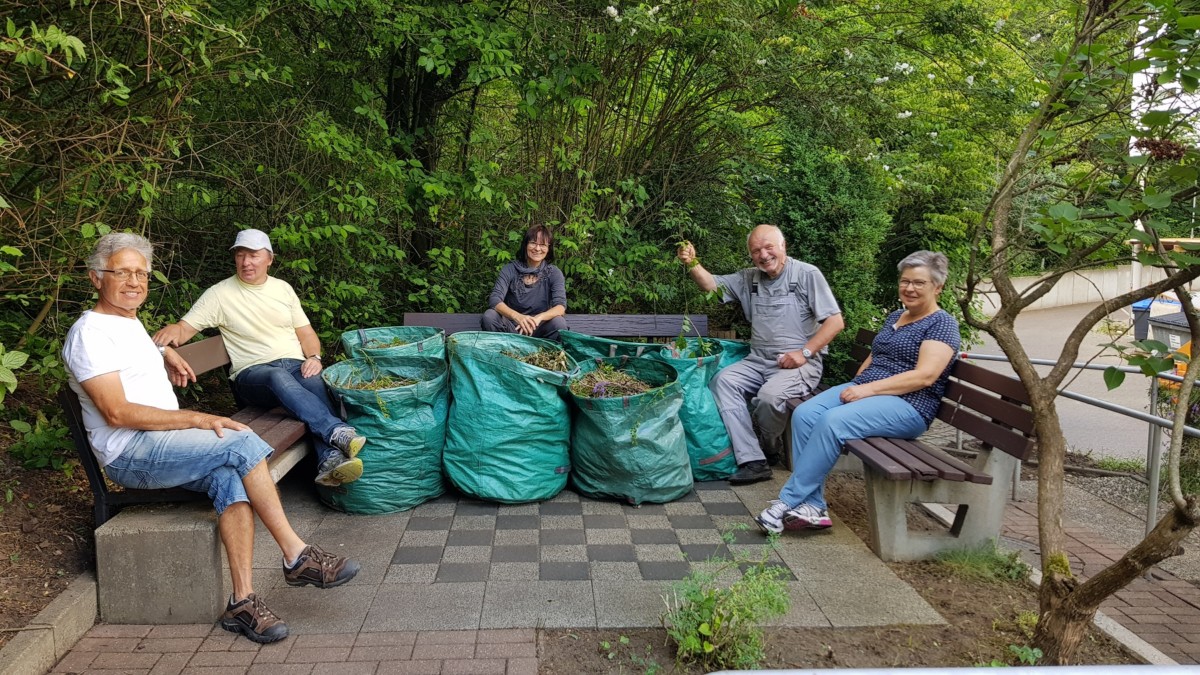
(102, 343)
(258, 322)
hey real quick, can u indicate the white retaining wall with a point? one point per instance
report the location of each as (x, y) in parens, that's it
(1079, 288)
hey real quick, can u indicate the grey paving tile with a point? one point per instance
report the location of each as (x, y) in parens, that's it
(554, 604)
(689, 497)
(424, 538)
(604, 522)
(566, 496)
(659, 552)
(746, 535)
(474, 508)
(608, 536)
(427, 523)
(614, 571)
(699, 552)
(459, 572)
(653, 536)
(310, 610)
(474, 522)
(514, 571)
(610, 553)
(411, 574)
(516, 538)
(569, 553)
(671, 571)
(342, 528)
(562, 523)
(505, 521)
(466, 554)
(699, 537)
(402, 607)
(785, 572)
(886, 604)
(435, 509)
(686, 509)
(645, 510)
(561, 537)
(592, 507)
(691, 522)
(627, 603)
(718, 496)
(723, 571)
(502, 554)
(470, 538)
(563, 571)
(417, 554)
(373, 554)
(803, 612)
(565, 508)
(715, 485)
(647, 522)
(518, 510)
(727, 509)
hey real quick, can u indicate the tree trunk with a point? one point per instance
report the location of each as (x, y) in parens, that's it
(1071, 605)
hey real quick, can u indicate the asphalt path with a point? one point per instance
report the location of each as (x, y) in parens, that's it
(1088, 429)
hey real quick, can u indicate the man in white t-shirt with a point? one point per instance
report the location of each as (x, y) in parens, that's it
(143, 440)
(274, 352)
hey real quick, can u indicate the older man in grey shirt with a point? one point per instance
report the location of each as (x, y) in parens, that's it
(793, 316)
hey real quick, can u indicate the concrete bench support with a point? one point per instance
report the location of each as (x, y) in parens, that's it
(160, 565)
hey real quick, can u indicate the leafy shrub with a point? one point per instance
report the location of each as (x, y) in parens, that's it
(718, 627)
(46, 444)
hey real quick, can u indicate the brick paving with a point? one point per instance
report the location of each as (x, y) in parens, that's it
(202, 649)
(1164, 610)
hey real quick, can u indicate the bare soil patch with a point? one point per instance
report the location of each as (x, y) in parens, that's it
(981, 624)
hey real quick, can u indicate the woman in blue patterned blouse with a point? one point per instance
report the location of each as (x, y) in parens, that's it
(896, 394)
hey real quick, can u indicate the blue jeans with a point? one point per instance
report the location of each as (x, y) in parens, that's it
(195, 459)
(279, 383)
(823, 423)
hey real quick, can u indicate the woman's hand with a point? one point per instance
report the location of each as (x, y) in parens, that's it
(856, 393)
(526, 325)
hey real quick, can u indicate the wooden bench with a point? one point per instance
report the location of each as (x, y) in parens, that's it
(161, 563)
(601, 325)
(991, 407)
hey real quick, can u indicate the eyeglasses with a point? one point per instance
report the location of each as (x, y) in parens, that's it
(916, 285)
(538, 245)
(123, 275)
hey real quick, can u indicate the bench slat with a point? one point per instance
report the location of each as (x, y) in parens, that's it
(1004, 385)
(997, 409)
(205, 355)
(602, 325)
(871, 456)
(951, 468)
(1013, 442)
(920, 469)
(274, 426)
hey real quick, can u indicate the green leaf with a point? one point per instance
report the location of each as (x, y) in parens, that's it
(705, 629)
(1156, 118)
(21, 426)
(1064, 211)
(1113, 377)
(4, 204)
(1159, 201)
(13, 360)
(1190, 22)
(708, 647)
(1121, 207)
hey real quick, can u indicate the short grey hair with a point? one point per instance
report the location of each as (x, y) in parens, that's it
(937, 264)
(108, 245)
(773, 229)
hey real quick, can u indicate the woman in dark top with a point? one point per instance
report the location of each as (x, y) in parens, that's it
(896, 393)
(530, 297)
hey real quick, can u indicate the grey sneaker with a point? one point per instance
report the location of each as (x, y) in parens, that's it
(338, 470)
(251, 618)
(771, 519)
(807, 517)
(346, 439)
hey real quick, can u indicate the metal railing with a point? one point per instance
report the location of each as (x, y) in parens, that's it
(1156, 423)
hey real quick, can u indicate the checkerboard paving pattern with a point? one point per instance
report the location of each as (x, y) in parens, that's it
(573, 538)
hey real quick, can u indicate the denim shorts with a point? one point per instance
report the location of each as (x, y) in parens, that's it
(195, 459)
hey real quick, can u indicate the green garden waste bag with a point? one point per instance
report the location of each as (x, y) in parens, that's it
(630, 448)
(405, 426)
(582, 347)
(395, 341)
(732, 351)
(509, 428)
(708, 444)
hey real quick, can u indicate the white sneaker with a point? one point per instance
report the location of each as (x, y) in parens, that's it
(771, 519)
(807, 517)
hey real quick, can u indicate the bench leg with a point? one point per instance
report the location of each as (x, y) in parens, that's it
(978, 521)
(160, 565)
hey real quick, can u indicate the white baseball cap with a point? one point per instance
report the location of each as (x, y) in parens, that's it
(254, 240)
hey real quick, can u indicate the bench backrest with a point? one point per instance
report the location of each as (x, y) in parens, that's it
(991, 406)
(602, 325)
(205, 355)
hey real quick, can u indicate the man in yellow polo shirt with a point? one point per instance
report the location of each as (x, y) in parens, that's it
(274, 352)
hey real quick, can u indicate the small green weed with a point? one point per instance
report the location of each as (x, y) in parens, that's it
(1027, 622)
(1026, 656)
(45, 444)
(718, 626)
(1120, 464)
(986, 563)
(623, 650)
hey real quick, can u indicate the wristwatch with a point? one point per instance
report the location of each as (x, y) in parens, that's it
(806, 352)
(314, 356)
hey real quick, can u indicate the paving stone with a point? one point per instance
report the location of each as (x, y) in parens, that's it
(692, 537)
(611, 553)
(686, 509)
(515, 571)
(417, 555)
(699, 552)
(627, 603)
(199, 630)
(653, 536)
(447, 637)
(595, 508)
(516, 538)
(645, 510)
(471, 537)
(561, 523)
(356, 668)
(604, 522)
(614, 571)
(514, 554)
(474, 667)
(562, 537)
(223, 659)
(382, 653)
(425, 523)
(557, 604)
(167, 645)
(608, 536)
(411, 574)
(563, 571)
(474, 508)
(414, 538)
(658, 553)
(560, 509)
(571, 553)
(111, 661)
(403, 607)
(522, 667)
(107, 630)
(311, 610)
(429, 652)
(507, 522)
(727, 509)
(410, 667)
(647, 522)
(474, 522)
(170, 664)
(506, 635)
(518, 509)
(466, 554)
(460, 572)
(672, 571)
(386, 639)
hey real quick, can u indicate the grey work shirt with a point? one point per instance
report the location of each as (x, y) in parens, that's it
(783, 312)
